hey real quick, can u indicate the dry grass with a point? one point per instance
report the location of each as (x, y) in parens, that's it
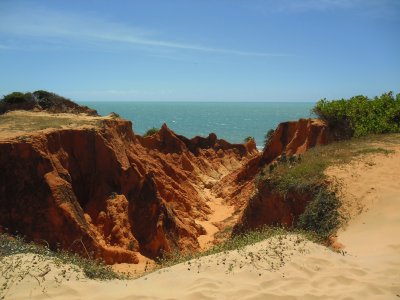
(17, 123)
(310, 170)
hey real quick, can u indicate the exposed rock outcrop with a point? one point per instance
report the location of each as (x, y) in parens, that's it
(108, 191)
(266, 206)
(295, 137)
(269, 207)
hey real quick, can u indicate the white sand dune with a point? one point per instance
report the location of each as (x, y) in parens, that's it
(287, 267)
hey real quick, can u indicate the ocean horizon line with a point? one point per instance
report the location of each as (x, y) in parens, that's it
(195, 101)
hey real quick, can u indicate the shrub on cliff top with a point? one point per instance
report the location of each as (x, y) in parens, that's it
(360, 115)
(151, 131)
(268, 137)
(41, 100)
(18, 97)
(249, 138)
(46, 99)
(17, 100)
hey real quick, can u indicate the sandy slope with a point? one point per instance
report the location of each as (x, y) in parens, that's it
(219, 212)
(280, 268)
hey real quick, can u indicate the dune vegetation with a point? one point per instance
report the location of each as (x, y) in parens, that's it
(41, 100)
(151, 131)
(360, 115)
(306, 174)
(91, 268)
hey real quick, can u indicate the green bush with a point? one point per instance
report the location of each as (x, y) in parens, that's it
(17, 101)
(321, 214)
(268, 136)
(18, 97)
(45, 98)
(41, 100)
(151, 131)
(249, 138)
(360, 115)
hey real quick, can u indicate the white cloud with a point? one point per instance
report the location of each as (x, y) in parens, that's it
(56, 25)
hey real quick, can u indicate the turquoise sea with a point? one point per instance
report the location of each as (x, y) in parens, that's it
(232, 121)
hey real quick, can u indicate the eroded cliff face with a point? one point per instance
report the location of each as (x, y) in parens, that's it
(105, 190)
(290, 138)
(108, 191)
(295, 137)
(266, 206)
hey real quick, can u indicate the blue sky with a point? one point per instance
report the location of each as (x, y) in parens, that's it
(249, 50)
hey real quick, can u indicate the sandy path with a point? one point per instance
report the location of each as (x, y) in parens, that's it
(286, 268)
(371, 188)
(220, 212)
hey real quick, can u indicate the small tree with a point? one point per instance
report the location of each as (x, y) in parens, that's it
(249, 138)
(268, 137)
(45, 98)
(151, 131)
(18, 97)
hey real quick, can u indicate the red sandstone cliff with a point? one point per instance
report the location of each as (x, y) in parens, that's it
(110, 190)
(115, 193)
(264, 206)
(295, 138)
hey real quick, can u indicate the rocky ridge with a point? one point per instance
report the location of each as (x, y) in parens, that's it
(103, 189)
(109, 191)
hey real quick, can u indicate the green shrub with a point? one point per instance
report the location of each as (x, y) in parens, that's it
(151, 131)
(17, 101)
(45, 98)
(360, 115)
(114, 115)
(18, 97)
(321, 214)
(268, 137)
(249, 138)
(42, 100)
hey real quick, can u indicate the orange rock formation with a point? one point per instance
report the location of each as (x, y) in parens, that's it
(266, 206)
(295, 138)
(108, 191)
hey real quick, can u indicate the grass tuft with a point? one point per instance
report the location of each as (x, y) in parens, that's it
(93, 269)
